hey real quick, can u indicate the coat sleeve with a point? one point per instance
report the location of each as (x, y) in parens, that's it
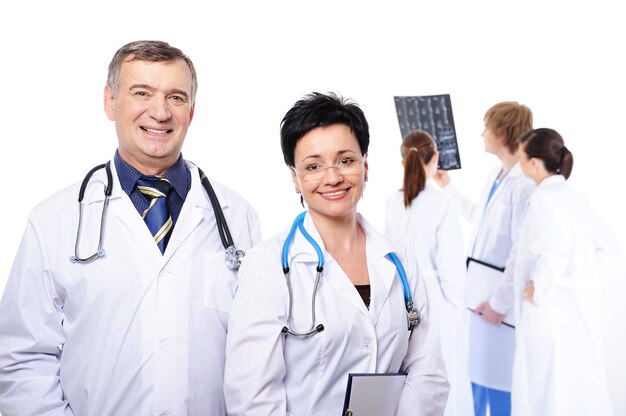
(31, 335)
(426, 390)
(468, 208)
(255, 227)
(549, 262)
(503, 298)
(388, 211)
(450, 254)
(608, 249)
(255, 365)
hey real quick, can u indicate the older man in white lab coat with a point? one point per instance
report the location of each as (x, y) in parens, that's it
(140, 330)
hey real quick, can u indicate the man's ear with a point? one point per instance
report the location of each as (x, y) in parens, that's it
(109, 103)
(191, 112)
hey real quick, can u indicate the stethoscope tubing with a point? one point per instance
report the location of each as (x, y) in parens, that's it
(413, 316)
(233, 255)
(81, 195)
(405, 282)
(298, 225)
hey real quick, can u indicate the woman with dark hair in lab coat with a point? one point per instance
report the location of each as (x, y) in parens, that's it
(563, 249)
(322, 299)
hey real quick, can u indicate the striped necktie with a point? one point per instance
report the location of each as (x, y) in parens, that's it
(157, 215)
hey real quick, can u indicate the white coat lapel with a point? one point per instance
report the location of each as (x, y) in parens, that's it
(381, 270)
(382, 274)
(515, 171)
(342, 283)
(488, 202)
(191, 214)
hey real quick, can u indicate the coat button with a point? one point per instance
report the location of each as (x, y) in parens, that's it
(165, 343)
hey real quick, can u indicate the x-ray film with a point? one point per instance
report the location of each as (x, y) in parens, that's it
(433, 114)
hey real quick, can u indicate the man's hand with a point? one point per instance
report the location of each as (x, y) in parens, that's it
(488, 314)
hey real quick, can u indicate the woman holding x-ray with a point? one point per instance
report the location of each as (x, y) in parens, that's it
(330, 295)
(428, 221)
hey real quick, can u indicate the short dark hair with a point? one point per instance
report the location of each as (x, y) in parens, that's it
(150, 51)
(320, 110)
(548, 146)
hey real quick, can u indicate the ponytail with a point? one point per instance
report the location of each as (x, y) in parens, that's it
(414, 175)
(548, 146)
(418, 148)
(566, 163)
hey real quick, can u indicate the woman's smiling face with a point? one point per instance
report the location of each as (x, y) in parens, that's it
(338, 191)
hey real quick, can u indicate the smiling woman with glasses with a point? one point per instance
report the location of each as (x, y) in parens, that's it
(329, 296)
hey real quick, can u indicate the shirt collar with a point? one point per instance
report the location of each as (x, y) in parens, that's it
(177, 174)
(552, 180)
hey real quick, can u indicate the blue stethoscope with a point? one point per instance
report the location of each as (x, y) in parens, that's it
(413, 315)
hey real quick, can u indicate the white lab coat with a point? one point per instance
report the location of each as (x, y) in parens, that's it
(430, 226)
(493, 240)
(141, 333)
(269, 373)
(559, 362)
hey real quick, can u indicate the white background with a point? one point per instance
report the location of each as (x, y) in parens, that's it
(255, 59)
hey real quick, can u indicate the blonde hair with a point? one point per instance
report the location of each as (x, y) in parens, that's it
(510, 120)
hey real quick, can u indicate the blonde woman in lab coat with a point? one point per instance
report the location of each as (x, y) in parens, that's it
(427, 220)
(497, 219)
(563, 248)
(359, 299)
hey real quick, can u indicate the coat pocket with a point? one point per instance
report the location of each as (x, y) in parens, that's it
(220, 282)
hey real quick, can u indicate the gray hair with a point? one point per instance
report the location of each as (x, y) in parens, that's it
(150, 51)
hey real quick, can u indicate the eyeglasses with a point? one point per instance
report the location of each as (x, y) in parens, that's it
(316, 171)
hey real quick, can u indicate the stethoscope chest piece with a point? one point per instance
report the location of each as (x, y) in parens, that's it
(413, 316)
(234, 257)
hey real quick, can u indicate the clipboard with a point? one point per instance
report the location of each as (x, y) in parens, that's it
(482, 279)
(373, 394)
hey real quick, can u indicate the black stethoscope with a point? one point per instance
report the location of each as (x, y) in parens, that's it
(413, 315)
(233, 255)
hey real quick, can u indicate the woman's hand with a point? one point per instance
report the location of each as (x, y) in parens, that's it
(529, 292)
(488, 314)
